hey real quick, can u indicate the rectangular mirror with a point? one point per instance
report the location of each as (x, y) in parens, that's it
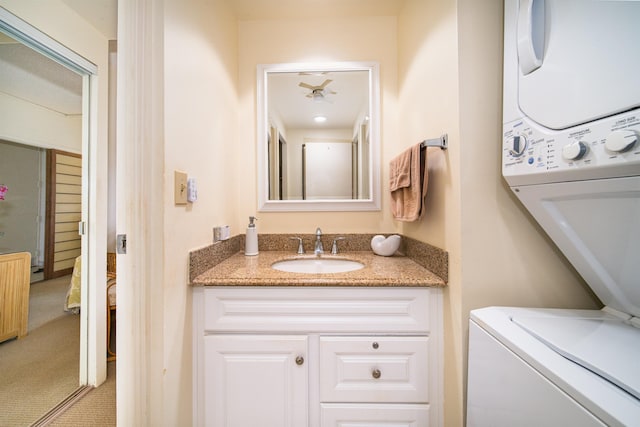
(318, 137)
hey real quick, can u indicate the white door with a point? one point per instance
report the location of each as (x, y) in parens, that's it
(256, 380)
(327, 170)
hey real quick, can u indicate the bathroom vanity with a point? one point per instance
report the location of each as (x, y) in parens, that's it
(275, 349)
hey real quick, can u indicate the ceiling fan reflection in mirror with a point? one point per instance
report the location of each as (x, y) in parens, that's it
(318, 93)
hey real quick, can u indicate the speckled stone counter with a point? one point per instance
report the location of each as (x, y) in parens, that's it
(224, 264)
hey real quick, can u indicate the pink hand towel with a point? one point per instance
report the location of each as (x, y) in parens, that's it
(408, 178)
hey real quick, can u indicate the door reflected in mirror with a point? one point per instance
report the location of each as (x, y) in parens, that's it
(318, 139)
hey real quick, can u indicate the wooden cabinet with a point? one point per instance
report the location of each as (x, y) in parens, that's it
(14, 294)
(325, 356)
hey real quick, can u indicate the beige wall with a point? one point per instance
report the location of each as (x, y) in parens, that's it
(440, 73)
(440, 68)
(429, 106)
(200, 80)
(506, 258)
(210, 134)
(340, 39)
(451, 55)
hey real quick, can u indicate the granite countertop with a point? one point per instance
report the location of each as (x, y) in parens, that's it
(241, 270)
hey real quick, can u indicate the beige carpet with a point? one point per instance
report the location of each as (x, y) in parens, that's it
(46, 301)
(96, 409)
(39, 370)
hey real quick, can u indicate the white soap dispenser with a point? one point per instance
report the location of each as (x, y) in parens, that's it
(251, 242)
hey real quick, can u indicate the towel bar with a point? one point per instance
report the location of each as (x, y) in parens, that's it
(441, 142)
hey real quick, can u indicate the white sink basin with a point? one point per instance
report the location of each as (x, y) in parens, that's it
(317, 265)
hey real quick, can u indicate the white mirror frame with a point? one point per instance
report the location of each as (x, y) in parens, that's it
(262, 129)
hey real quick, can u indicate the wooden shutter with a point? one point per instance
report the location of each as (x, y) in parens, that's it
(64, 211)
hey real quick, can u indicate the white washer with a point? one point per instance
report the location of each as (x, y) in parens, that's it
(571, 154)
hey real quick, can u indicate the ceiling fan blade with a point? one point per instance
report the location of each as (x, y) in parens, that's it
(326, 82)
(307, 86)
(313, 73)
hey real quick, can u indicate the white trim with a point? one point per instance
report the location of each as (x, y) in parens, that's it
(140, 213)
(36, 39)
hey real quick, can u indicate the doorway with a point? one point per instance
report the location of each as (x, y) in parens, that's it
(91, 349)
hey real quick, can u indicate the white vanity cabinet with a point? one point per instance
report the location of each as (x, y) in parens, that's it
(317, 356)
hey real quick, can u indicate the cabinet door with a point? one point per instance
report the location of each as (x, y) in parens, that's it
(374, 415)
(256, 380)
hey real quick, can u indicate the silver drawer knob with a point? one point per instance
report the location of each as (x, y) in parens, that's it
(375, 345)
(376, 373)
(299, 360)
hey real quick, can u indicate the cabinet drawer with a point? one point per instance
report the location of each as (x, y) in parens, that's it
(323, 309)
(374, 415)
(374, 369)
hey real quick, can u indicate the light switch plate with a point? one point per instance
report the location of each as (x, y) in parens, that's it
(180, 188)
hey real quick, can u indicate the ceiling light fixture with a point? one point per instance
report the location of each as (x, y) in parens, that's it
(319, 119)
(317, 96)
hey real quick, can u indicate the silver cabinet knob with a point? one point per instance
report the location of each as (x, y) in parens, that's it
(376, 373)
(299, 360)
(375, 345)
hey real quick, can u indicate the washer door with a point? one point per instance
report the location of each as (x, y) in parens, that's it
(578, 60)
(596, 224)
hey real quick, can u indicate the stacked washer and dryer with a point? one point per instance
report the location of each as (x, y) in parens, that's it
(571, 123)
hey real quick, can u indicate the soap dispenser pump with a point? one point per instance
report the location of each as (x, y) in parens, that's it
(251, 242)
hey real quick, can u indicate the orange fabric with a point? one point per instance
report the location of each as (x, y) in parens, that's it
(408, 179)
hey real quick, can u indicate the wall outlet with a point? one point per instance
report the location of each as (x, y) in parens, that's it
(180, 188)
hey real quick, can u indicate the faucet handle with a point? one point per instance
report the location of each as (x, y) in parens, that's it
(334, 247)
(300, 246)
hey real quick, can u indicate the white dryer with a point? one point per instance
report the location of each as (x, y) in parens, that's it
(571, 154)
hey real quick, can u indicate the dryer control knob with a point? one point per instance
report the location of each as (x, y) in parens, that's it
(620, 141)
(518, 146)
(574, 151)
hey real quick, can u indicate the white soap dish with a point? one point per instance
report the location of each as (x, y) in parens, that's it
(385, 246)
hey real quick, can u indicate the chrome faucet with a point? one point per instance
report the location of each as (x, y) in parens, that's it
(300, 246)
(334, 247)
(318, 249)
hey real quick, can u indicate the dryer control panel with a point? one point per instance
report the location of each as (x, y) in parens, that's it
(607, 148)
